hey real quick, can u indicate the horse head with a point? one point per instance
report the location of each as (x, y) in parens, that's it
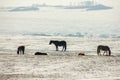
(51, 41)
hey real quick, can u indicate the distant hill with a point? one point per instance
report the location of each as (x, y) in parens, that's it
(29, 8)
(88, 5)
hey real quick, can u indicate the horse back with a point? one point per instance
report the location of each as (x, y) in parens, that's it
(21, 47)
(62, 43)
(101, 47)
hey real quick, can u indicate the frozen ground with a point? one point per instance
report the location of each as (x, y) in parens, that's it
(30, 67)
(58, 65)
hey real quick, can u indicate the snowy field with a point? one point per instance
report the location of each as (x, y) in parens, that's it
(81, 23)
(58, 65)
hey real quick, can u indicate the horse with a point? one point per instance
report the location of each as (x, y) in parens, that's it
(59, 43)
(103, 48)
(81, 54)
(20, 49)
(40, 53)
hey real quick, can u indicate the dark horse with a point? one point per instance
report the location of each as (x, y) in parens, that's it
(21, 49)
(59, 43)
(103, 48)
(40, 53)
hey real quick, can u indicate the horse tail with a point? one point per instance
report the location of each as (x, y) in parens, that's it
(109, 51)
(98, 50)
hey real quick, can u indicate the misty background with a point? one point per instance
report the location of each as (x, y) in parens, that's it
(78, 18)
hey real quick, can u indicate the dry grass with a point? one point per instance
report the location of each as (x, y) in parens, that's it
(30, 67)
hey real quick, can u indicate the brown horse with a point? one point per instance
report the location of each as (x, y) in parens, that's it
(103, 48)
(21, 49)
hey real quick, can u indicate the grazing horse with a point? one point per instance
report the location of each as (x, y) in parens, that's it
(21, 49)
(39, 53)
(103, 48)
(59, 43)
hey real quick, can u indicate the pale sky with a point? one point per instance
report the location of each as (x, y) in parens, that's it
(70, 20)
(62, 2)
(29, 2)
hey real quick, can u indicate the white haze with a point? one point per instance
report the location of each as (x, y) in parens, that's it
(64, 21)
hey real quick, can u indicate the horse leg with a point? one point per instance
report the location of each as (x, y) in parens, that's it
(109, 52)
(98, 51)
(99, 54)
(17, 51)
(104, 53)
(56, 48)
(20, 51)
(63, 48)
(23, 52)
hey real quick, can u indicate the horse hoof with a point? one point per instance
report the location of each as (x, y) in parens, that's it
(81, 54)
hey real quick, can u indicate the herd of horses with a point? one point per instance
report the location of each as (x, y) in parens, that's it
(106, 50)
